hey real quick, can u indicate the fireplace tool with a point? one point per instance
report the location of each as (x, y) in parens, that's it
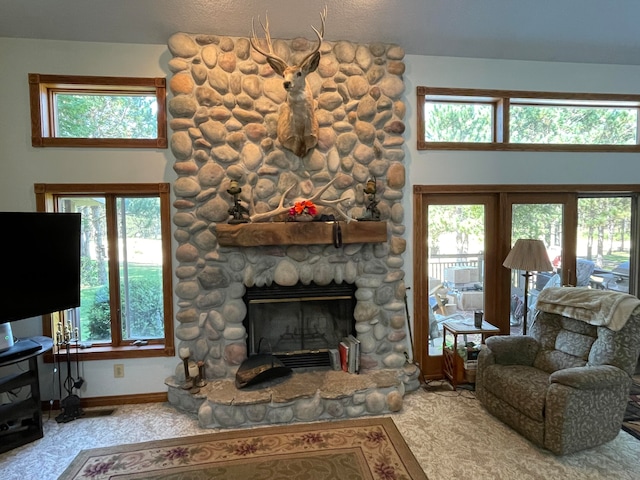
(406, 309)
(260, 367)
(70, 405)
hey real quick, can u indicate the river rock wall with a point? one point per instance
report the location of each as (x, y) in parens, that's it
(224, 107)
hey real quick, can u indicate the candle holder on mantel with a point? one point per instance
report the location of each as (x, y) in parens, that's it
(372, 213)
(238, 212)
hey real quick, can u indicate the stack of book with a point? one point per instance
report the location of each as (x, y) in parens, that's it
(349, 349)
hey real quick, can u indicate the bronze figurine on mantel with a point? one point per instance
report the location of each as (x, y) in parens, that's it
(239, 213)
(372, 213)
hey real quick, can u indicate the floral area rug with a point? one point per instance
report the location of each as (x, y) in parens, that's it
(367, 449)
(631, 422)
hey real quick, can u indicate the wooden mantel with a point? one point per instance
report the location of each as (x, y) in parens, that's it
(298, 233)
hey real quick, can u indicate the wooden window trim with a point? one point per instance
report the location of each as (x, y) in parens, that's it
(45, 200)
(501, 99)
(42, 87)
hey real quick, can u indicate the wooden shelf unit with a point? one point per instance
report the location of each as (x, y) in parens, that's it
(21, 421)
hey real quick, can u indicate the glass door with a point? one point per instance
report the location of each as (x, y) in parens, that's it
(605, 225)
(454, 263)
(588, 240)
(539, 221)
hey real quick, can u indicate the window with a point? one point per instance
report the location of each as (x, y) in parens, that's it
(516, 120)
(80, 111)
(126, 289)
(443, 120)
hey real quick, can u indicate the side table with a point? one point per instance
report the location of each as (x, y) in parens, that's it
(456, 328)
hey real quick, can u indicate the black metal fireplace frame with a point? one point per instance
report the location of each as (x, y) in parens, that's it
(308, 358)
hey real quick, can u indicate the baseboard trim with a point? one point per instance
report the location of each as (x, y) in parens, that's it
(157, 397)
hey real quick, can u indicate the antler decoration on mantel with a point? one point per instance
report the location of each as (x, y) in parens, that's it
(297, 128)
(316, 198)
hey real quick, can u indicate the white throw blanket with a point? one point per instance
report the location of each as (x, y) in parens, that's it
(597, 307)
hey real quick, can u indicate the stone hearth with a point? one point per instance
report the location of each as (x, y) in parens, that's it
(303, 397)
(224, 113)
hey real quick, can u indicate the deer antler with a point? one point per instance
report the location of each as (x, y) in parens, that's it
(258, 217)
(319, 34)
(315, 198)
(277, 63)
(334, 204)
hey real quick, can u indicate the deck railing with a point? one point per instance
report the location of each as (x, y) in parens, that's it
(439, 263)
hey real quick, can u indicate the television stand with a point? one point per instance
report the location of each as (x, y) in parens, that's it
(21, 421)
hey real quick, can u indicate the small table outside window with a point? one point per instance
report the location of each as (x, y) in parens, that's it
(451, 359)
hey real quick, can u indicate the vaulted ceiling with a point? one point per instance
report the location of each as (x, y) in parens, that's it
(591, 31)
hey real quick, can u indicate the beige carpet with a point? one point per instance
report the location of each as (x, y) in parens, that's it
(359, 449)
(449, 433)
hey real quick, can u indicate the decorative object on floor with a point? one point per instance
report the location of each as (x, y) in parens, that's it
(260, 368)
(184, 355)
(566, 386)
(372, 212)
(239, 213)
(297, 123)
(371, 448)
(200, 381)
(528, 255)
(631, 420)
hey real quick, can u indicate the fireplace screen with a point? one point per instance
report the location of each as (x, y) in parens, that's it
(299, 324)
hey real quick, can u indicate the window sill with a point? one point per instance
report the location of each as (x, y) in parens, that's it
(109, 353)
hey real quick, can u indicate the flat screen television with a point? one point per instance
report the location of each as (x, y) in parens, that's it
(41, 264)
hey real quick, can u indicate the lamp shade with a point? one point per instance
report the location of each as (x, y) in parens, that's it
(529, 255)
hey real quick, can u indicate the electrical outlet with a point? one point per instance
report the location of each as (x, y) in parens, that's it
(118, 370)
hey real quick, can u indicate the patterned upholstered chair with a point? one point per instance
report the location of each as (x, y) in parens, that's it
(565, 386)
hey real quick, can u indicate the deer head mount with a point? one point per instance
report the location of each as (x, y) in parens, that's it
(297, 124)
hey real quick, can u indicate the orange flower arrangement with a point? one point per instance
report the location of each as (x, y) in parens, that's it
(303, 207)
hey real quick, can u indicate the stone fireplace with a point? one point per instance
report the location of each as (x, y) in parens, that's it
(224, 106)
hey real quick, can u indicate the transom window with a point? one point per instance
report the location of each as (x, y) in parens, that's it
(519, 120)
(68, 111)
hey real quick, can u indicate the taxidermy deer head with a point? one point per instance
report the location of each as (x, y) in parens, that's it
(297, 124)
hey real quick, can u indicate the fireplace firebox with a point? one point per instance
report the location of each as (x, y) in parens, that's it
(299, 324)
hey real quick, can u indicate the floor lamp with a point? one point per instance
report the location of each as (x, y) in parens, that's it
(528, 255)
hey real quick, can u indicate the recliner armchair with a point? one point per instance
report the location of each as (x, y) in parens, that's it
(565, 386)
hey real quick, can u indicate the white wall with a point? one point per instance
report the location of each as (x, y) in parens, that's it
(21, 165)
(469, 168)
